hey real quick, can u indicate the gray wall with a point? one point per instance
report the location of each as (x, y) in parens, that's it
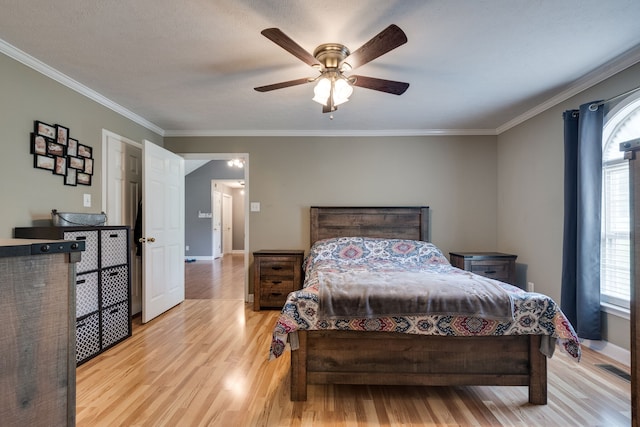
(531, 194)
(29, 194)
(198, 231)
(455, 175)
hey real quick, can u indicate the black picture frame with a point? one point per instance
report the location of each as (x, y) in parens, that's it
(72, 147)
(76, 163)
(62, 135)
(85, 151)
(44, 129)
(60, 167)
(83, 178)
(44, 162)
(38, 144)
(55, 149)
(88, 166)
(71, 177)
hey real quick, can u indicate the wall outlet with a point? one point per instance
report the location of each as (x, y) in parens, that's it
(186, 248)
(86, 200)
(530, 287)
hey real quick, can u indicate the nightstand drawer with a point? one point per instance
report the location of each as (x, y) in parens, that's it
(272, 284)
(494, 265)
(275, 299)
(276, 268)
(495, 269)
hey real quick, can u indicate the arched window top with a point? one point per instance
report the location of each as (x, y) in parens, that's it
(622, 124)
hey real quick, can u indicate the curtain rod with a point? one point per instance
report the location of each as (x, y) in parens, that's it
(595, 105)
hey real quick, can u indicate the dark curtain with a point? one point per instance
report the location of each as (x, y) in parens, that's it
(582, 211)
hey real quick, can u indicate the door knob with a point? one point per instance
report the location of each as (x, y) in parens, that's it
(145, 239)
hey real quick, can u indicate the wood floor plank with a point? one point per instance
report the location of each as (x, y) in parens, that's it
(204, 363)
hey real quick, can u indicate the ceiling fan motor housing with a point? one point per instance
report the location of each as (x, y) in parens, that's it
(331, 55)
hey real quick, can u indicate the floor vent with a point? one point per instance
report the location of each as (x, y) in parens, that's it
(616, 371)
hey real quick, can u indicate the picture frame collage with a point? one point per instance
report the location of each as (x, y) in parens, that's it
(56, 151)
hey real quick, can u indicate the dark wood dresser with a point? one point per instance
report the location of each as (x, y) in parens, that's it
(275, 274)
(37, 337)
(494, 265)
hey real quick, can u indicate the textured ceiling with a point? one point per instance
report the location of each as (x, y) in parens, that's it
(190, 67)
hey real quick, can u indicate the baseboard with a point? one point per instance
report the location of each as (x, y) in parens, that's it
(199, 258)
(616, 353)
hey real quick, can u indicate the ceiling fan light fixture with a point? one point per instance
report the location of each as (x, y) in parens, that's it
(342, 90)
(339, 89)
(322, 90)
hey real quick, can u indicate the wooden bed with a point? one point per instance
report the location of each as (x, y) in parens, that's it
(383, 358)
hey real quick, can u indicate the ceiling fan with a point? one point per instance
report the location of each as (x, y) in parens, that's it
(333, 60)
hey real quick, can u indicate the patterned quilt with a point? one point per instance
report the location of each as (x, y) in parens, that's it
(533, 313)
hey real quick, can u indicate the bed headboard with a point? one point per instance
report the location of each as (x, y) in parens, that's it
(385, 222)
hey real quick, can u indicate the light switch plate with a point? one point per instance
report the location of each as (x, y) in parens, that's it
(87, 200)
(255, 207)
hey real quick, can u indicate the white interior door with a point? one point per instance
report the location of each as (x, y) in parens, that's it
(227, 224)
(163, 230)
(217, 224)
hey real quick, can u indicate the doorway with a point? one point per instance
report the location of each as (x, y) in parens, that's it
(130, 167)
(204, 212)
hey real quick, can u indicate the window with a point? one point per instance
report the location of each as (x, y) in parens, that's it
(621, 124)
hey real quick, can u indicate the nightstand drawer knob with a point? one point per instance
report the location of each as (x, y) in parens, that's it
(276, 268)
(276, 282)
(276, 294)
(490, 272)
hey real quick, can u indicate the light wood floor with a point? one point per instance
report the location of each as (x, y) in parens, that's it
(204, 363)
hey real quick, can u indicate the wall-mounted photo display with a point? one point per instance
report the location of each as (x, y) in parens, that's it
(55, 150)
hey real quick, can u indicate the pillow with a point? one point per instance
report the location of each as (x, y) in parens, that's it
(358, 250)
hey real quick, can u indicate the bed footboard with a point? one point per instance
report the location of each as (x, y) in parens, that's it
(351, 357)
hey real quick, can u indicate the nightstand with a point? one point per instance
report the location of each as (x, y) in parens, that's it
(494, 265)
(275, 274)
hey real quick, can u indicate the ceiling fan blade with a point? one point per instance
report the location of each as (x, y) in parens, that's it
(285, 42)
(387, 40)
(282, 85)
(389, 86)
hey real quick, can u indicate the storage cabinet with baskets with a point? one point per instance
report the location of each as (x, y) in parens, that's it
(103, 284)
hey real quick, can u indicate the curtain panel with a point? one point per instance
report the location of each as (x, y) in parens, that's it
(580, 295)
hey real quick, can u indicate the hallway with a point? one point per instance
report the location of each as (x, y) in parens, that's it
(220, 279)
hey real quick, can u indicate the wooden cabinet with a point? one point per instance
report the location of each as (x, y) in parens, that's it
(37, 337)
(103, 285)
(276, 273)
(494, 265)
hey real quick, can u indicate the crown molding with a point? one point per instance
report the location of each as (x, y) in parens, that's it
(325, 133)
(621, 63)
(52, 73)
